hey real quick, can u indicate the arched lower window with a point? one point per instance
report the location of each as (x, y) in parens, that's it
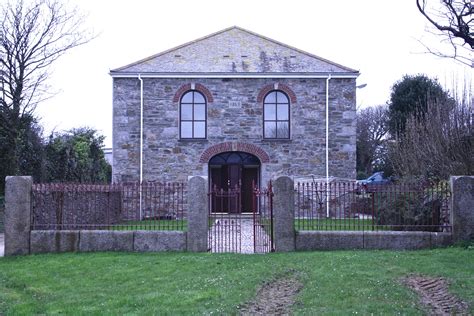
(276, 115)
(192, 116)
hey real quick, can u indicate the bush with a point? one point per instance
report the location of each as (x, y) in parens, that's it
(416, 211)
(438, 144)
(362, 204)
(361, 175)
(76, 156)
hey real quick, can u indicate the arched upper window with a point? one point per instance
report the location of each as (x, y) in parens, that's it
(192, 115)
(276, 115)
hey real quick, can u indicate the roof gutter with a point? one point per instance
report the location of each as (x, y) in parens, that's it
(236, 75)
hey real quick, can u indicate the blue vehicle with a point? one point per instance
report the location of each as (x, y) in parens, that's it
(371, 183)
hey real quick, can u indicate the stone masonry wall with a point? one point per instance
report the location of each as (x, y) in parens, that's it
(166, 157)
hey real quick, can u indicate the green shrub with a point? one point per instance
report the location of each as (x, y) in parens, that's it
(361, 175)
(416, 211)
(362, 204)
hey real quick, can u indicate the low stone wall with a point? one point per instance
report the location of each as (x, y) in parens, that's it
(17, 215)
(21, 240)
(462, 208)
(50, 241)
(347, 240)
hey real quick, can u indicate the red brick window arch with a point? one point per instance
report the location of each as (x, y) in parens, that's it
(276, 115)
(276, 86)
(234, 146)
(193, 86)
(193, 115)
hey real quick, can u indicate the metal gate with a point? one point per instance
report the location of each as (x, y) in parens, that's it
(225, 220)
(232, 231)
(263, 219)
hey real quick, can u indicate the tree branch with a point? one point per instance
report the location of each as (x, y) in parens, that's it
(454, 22)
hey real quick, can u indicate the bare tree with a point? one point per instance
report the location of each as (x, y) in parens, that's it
(32, 37)
(440, 145)
(372, 129)
(454, 22)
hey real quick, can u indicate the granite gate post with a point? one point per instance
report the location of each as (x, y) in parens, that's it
(284, 214)
(17, 215)
(462, 207)
(198, 222)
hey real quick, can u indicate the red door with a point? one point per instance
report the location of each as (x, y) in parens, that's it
(234, 173)
(230, 177)
(227, 180)
(249, 177)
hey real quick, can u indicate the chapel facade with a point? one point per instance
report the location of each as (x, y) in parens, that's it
(237, 108)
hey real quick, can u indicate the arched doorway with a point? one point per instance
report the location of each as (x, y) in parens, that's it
(235, 168)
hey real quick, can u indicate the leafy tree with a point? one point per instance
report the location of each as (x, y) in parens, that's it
(410, 97)
(372, 129)
(76, 156)
(32, 36)
(29, 153)
(454, 23)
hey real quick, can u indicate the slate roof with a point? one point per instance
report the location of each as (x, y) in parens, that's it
(234, 51)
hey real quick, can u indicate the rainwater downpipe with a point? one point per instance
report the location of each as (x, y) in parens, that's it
(327, 145)
(141, 144)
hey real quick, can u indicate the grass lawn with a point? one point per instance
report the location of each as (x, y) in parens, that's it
(352, 224)
(333, 224)
(162, 224)
(337, 282)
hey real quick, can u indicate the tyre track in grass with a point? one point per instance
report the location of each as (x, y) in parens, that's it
(435, 296)
(274, 298)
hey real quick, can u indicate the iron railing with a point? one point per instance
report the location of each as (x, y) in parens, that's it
(225, 220)
(263, 219)
(351, 206)
(124, 206)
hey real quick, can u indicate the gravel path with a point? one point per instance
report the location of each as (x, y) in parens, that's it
(225, 232)
(247, 236)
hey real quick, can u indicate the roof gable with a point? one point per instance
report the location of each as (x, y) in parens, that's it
(234, 50)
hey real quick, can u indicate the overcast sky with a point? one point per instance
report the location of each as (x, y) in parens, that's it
(379, 38)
